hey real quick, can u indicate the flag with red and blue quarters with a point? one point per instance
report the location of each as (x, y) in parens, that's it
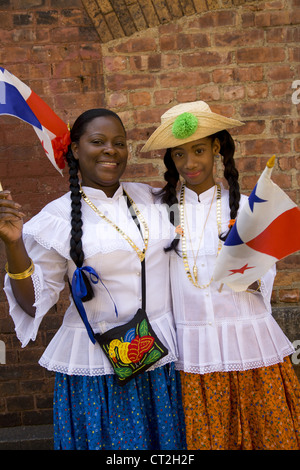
(266, 230)
(18, 100)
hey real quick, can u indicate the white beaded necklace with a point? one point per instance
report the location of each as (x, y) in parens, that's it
(184, 245)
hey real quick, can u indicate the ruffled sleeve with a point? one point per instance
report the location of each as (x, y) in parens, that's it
(46, 240)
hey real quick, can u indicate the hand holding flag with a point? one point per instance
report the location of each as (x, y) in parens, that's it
(267, 229)
(17, 99)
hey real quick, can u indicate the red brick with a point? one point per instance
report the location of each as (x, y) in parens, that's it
(178, 79)
(186, 94)
(286, 278)
(6, 21)
(248, 74)
(289, 295)
(260, 54)
(20, 403)
(290, 262)
(236, 92)
(170, 61)
(223, 75)
(119, 82)
(115, 64)
(117, 100)
(145, 62)
(184, 41)
(286, 163)
(170, 28)
(142, 44)
(248, 19)
(81, 102)
(266, 146)
(210, 93)
(280, 72)
(251, 127)
(14, 54)
(206, 59)
(239, 38)
(280, 89)
(140, 99)
(215, 19)
(273, 19)
(149, 115)
(273, 108)
(283, 180)
(257, 90)
(276, 35)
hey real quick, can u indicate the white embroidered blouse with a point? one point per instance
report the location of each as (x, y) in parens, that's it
(47, 238)
(220, 331)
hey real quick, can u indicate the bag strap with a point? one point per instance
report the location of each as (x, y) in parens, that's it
(143, 265)
(78, 303)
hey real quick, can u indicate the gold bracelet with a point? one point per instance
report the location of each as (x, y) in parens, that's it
(29, 271)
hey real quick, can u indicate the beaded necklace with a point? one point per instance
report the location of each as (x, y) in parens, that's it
(141, 253)
(184, 245)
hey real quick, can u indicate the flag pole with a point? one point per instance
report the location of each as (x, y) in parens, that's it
(271, 162)
(270, 165)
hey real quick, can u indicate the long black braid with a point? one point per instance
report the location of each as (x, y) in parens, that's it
(76, 249)
(230, 173)
(168, 194)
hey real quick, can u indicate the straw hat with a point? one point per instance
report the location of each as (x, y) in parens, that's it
(187, 122)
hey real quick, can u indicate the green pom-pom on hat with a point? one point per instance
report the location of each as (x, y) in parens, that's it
(184, 125)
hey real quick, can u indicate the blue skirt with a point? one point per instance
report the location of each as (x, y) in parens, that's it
(93, 413)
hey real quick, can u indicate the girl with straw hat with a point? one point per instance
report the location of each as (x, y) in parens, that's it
(239, 388)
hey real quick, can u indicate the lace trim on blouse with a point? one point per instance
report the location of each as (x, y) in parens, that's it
(233, 366)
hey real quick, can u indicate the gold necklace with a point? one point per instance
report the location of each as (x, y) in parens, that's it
(141, 253)
(195, 269)
(184, 246)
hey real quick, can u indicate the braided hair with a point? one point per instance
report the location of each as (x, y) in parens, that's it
(169, 192)
(78, 129)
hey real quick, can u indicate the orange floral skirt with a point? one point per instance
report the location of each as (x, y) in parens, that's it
(250, 410)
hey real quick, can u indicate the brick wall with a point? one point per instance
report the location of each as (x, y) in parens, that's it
(240, 57)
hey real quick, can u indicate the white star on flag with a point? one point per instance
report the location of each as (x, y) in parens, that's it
(266, 230)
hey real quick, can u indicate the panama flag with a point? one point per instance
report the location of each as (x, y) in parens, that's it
(266, 230)
(17, 99)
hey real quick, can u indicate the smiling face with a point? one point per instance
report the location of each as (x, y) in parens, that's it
(194, 162)
(102, 154)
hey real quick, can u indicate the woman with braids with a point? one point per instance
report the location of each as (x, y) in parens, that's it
(239, 388)
(90, 237)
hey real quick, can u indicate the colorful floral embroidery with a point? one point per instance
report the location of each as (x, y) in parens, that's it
(137, 349)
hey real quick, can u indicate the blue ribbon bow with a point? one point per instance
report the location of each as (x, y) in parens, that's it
(79, 291)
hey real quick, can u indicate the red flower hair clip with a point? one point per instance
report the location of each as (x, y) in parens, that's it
(60, 147)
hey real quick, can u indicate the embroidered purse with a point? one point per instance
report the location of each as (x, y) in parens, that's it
(131, 348)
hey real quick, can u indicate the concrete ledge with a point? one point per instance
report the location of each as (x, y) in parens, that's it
(27, 438)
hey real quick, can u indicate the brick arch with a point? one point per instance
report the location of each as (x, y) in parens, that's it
(115, 19)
